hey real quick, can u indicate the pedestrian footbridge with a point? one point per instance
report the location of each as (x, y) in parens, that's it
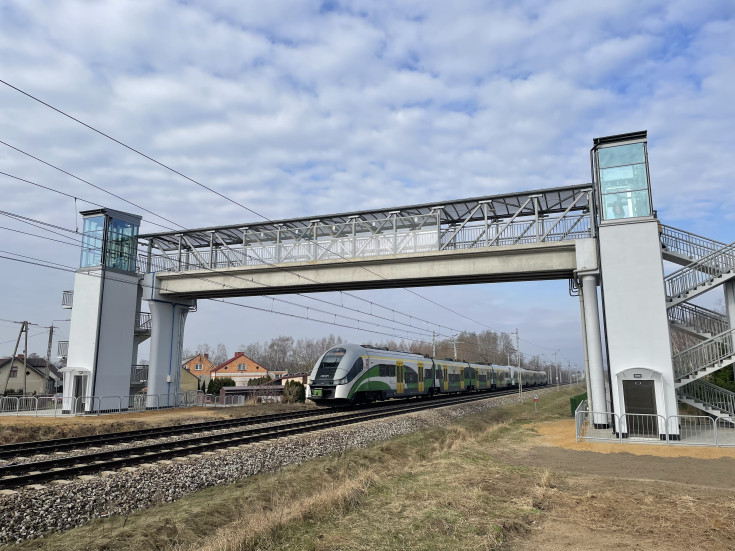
(602, 235)
(512, 237)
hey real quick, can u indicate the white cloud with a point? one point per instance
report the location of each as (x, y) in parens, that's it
(294, 112)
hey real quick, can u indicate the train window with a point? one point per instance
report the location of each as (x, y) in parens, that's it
(329, 364)
(355, 370)
(385, 370)
(410, 376)
(427, 374)
(439, 373)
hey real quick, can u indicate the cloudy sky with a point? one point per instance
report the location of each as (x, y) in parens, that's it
(296, 109)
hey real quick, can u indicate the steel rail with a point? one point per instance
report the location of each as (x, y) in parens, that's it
(25, 449)
(66, 467)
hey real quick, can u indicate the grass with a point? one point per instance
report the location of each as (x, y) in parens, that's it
(434, 489)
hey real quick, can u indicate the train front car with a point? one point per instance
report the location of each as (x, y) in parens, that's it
(334, 374)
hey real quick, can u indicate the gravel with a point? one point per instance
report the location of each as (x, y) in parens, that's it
(32, 511)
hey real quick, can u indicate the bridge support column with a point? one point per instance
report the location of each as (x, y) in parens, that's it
(167, 339)
(593, 345)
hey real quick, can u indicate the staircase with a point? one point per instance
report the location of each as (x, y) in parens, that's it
(697, 321)
(683, 247)
(706, 264)
(710, 398)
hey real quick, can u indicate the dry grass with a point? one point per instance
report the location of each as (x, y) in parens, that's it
(451, 488)
(21, 429)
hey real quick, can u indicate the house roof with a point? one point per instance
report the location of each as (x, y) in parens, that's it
(190, 358)
(35, 363)
(237, 356)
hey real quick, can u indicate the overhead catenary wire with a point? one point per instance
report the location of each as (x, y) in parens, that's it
(88, 183)
(219, 194)
(40, 262)
(453, 330)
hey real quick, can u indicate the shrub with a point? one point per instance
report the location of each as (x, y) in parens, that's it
(260, 381)
(294, 391)
(216, 384)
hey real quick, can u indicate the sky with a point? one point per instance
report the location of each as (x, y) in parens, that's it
(296, 109)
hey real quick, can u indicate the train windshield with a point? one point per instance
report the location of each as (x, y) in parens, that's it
(328, 366)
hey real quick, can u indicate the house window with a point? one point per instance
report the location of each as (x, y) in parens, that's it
(242, 367)
(198, 367)
(13, 372)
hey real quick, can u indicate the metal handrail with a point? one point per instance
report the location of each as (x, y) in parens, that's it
(62, 349)
(698, 318)
(471, 236)
(687, 243)
(700, 272)
(143, 321)
(139, 373)
(67, 299)
(703, 355)
(710, 395)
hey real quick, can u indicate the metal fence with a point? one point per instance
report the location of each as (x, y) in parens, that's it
(38, 406)
(686, 430)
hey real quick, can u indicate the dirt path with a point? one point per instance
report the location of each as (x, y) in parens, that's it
(606, 496)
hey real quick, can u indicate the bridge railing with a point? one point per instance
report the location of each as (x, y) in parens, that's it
(394, 239)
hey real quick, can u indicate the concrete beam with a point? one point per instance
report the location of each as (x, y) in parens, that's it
(535, 261)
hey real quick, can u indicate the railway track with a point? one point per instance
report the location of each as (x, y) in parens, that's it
(54, 468)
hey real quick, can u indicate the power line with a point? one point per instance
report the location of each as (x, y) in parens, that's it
(233, 201)
(237, 277)
(40, 262)
(40, 236)
(88, 183)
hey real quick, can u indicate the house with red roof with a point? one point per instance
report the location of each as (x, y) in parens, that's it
(242, 370)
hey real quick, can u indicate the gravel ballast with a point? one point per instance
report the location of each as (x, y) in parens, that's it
(32, 511)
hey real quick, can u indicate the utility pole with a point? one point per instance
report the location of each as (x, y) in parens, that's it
(25, 356)
(15, 353)
(48, 358)
(433, 344)
(557, 369)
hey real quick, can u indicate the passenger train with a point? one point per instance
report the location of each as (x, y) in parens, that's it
(351, 373)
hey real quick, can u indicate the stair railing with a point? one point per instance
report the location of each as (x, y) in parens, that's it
(700, 272)
(710, 395)
(688, 244)
(698, 318)
(703, 355)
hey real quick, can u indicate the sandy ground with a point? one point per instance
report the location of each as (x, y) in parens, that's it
(627, 496)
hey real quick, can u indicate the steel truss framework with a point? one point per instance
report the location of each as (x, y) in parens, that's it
(557, 214)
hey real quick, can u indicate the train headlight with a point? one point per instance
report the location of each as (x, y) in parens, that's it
(341, 381)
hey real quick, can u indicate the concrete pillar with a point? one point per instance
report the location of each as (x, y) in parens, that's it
(588, 388)
(594, 350)
(168, 318)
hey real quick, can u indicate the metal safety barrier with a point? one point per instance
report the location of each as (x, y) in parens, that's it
(633, 428)
(95, 405)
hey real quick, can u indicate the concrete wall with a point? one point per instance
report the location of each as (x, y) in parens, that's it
(116, 334)
(637, 327)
